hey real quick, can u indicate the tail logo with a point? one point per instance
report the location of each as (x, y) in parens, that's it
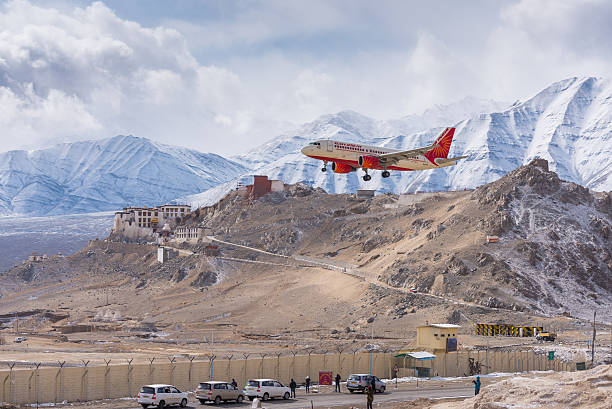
(444, 142)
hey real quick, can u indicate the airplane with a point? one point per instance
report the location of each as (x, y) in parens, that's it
(348, 157)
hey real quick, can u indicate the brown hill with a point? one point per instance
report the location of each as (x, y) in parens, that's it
(349, 267)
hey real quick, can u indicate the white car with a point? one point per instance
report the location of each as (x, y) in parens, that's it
(161, 396)
(266, 389)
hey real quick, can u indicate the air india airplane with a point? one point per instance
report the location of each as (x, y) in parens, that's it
(348, 157)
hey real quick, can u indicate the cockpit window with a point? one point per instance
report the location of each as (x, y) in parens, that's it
(315, 143)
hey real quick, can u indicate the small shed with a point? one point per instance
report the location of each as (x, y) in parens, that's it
(418, 359)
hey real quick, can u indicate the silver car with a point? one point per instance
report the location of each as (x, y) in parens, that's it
(360, 382)
(215, 391)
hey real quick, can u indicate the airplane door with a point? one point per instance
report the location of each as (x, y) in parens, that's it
(330, 146)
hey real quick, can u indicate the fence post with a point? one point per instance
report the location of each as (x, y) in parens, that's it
(246, 358)
(129, 376)
(278, 354)
(339, 349)
(36, 379)
(294, 354)
(211, 359)
(151, 369)
(60, 375)
(261, 365)
(11, 382)
(84, 381)
(106, 386)
(510, 361)
(309, 367)
(30, 386)
(354, 352)
(229, 367)
(172, 360)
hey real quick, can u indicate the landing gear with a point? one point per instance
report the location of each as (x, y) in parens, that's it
(366, 177)
(324, 168)
(386, 174)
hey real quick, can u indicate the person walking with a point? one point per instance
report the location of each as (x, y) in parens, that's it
(338, 379)
(292, 386)
(476, 385)
(307, 384)
(370, 397)
(234, 383)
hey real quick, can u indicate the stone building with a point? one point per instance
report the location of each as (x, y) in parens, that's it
(192, 234)
(145, 223)
(260, 187)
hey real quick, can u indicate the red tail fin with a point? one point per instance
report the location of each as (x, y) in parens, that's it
(444, 140)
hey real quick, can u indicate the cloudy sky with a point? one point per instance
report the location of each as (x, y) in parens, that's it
(222, 76)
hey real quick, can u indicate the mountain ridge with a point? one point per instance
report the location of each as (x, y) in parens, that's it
(568, 123)
(106, 174)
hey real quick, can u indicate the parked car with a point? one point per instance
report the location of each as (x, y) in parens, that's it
(161, 396)
(266, 389)
(19, 340)
(360, 382)
(215, 391)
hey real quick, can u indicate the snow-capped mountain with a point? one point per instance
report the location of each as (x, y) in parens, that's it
(104, 175)
(350, 124)
(568, 123)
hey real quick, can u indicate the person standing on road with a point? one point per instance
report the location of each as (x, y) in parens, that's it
(234, 383)
(476, 385)
(338, 379)
(292, 386)
(370, 397)
(307, 384)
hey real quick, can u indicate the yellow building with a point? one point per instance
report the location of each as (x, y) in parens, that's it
(438, 338)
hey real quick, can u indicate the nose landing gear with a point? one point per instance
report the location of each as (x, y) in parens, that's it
(324, 168)
(386, 174)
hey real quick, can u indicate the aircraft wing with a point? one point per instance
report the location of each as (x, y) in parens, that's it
(442, 161)
(397, 156)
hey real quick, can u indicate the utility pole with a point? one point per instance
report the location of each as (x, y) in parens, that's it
(593, 345)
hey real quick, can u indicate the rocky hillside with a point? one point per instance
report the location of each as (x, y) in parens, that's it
(338, 262)
(553, 255)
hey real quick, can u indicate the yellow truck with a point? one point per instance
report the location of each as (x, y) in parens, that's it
(546, 336)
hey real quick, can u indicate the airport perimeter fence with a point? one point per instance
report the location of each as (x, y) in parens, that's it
(40, 384)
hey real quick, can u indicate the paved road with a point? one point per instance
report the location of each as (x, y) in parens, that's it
(319, 400)
(359, 399)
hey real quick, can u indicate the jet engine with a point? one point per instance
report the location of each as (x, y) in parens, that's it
(369, 162)
(339, 167)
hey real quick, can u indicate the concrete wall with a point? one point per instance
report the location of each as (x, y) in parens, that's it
(54, 384)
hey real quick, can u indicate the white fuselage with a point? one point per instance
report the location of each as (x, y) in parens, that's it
(349, 153)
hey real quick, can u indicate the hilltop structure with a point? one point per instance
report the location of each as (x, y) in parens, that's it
(144, 223)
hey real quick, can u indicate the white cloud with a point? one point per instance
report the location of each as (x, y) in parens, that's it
(91, 74)
(248, 71)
